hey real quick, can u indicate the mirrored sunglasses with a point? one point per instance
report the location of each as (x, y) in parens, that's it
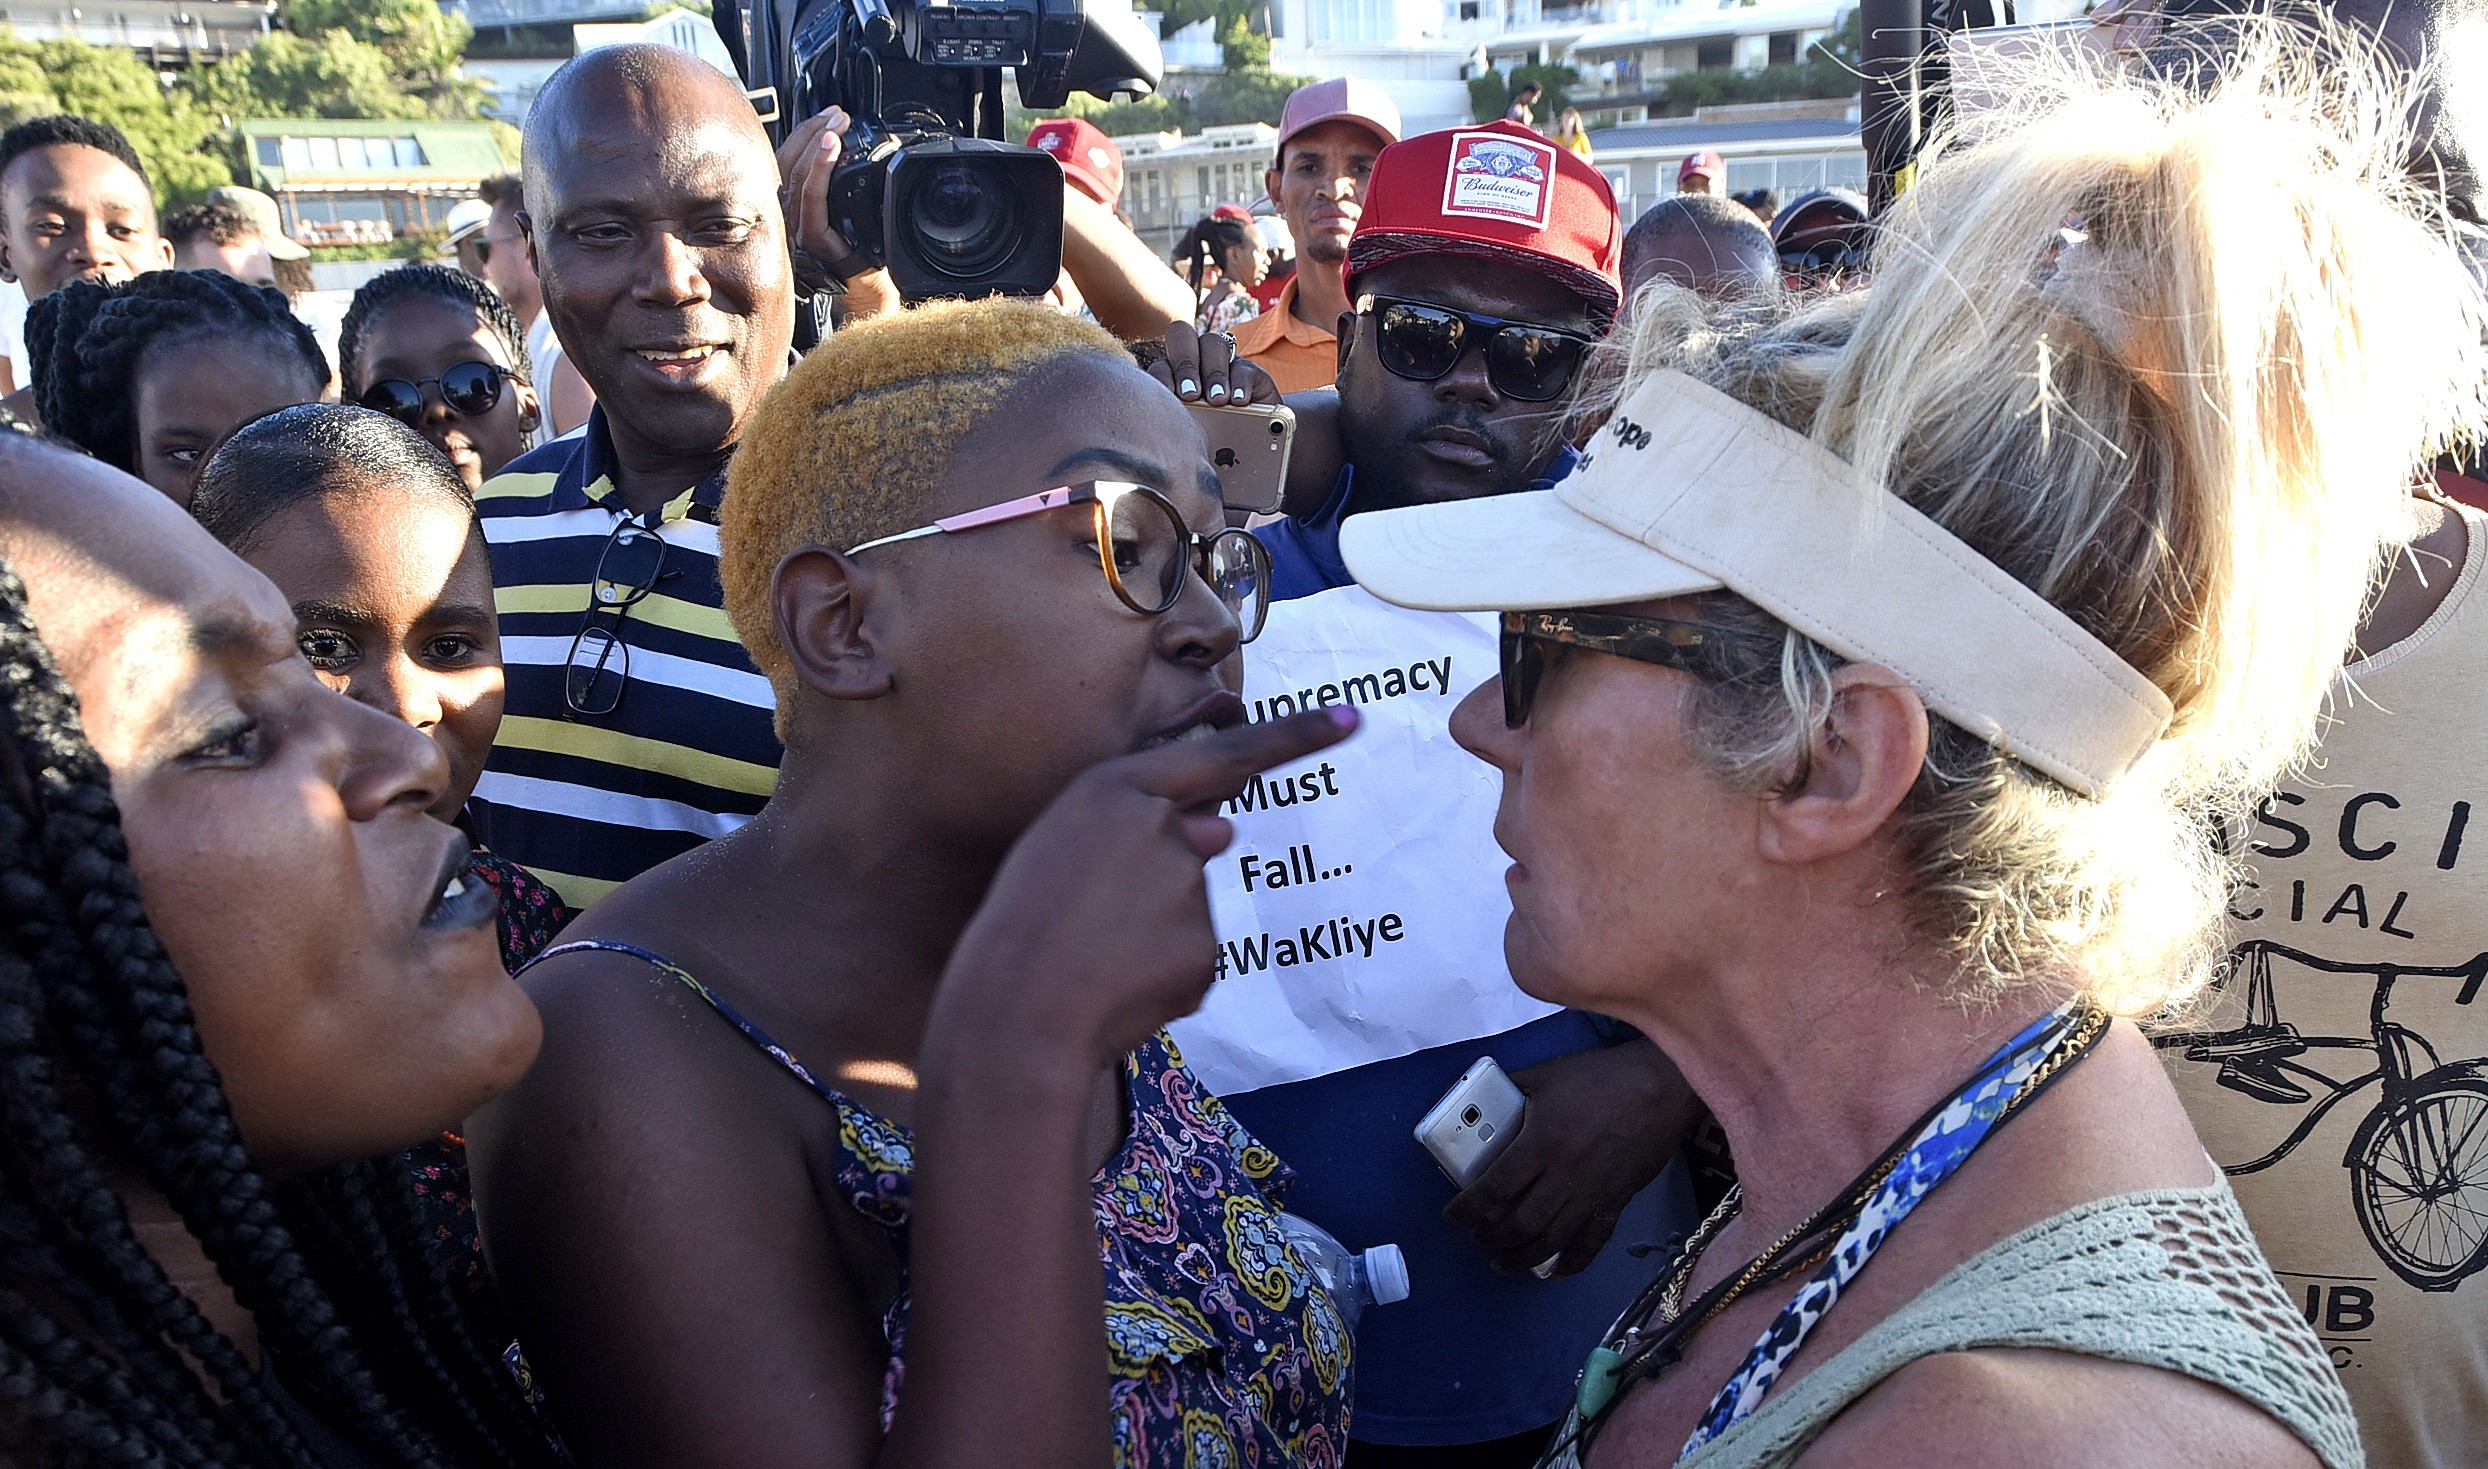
(1423, 342)
(470, 388)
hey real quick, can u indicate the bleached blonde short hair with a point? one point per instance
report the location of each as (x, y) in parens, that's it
(850, 446)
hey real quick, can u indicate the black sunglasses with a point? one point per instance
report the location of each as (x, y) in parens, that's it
(1420, 341)
(599, 665)
(1697, 648)
(470, 388)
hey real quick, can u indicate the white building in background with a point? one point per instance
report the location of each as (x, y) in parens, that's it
(511, 82)
(164, 33)
(1170, 180)
(683, 30)
(1401, 46)
(1790, 148)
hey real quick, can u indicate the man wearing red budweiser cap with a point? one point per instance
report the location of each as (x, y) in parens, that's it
(1484, 266)
(1482, 269)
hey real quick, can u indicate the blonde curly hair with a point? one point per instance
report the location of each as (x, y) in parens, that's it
(2171, 354)
(851, 444)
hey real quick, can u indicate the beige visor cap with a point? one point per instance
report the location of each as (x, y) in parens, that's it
(1688, 490)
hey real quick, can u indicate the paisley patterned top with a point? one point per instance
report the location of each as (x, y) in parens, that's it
(1224, 1351)
(531, 914)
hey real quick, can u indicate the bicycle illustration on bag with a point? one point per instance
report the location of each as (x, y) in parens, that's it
(2418, 1162)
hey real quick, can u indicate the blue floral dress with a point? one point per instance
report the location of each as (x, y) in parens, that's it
(1224, 1351)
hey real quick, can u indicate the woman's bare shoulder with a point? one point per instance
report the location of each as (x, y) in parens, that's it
(2032, 1409)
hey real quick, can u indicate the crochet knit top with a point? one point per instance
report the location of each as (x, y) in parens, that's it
(2169, 1278)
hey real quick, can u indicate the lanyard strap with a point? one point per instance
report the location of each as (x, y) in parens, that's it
(1935, 1154)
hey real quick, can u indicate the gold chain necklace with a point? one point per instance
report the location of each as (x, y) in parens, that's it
(1671, 1299)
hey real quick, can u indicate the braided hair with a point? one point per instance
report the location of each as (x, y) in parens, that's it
(440, 283)
(85, 343)
(100, 1059)
(1207, 244)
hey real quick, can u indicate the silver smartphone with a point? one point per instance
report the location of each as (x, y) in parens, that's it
(1249, 445)
(1474, 1122)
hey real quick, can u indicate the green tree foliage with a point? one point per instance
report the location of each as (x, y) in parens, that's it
(327, 75)
(420, 41)
(1490, 96)
(110, 83)
(1242, 47)
(418, 35)
(335, 58)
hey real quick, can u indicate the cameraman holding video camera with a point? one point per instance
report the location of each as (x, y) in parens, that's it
(891, 117)
(1126, 288)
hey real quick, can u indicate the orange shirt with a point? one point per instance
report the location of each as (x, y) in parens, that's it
(1296, 356)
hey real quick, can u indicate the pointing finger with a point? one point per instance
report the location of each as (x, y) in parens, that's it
(1217, 766)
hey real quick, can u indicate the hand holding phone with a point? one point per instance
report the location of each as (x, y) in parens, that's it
(1474, 1122)
(1249, 446)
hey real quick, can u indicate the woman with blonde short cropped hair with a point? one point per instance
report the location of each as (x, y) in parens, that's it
(1872, 698)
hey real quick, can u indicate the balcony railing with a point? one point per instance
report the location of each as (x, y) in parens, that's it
(547, 12)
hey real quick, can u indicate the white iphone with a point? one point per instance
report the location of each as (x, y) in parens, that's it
(1474, 1122)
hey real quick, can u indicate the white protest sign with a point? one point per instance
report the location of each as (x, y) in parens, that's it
(1360, 908)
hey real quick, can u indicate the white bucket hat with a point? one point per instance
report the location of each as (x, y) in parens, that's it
(1688, 490)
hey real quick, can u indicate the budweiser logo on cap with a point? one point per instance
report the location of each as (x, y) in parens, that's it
(1497, 176)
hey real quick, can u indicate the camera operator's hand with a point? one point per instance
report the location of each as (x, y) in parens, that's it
(807, 161)
(1201, 367)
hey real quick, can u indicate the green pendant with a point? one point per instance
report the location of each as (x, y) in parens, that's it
(1598, 1382)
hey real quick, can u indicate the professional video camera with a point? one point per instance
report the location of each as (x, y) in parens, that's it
(926, 186)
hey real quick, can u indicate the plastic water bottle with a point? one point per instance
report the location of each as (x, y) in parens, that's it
(1354, 1279)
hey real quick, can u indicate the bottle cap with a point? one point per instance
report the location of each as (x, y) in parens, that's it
(1386, 1274)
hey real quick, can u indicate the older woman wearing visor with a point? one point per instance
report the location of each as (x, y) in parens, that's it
(1872, 699)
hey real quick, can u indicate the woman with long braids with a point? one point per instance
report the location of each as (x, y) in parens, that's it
(151, 374)
(1222, 259)
(243, 969)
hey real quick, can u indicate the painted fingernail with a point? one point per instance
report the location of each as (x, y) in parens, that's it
(1218, 392)
(1342, 715)
(1189, 386)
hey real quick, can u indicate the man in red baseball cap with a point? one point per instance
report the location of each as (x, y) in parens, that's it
(1330, 133)
(1701, 173)
(1484, 266)
(1092, 162)
(1107, 268)
(1480, 273)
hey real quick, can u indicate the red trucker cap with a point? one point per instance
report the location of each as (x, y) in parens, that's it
(1091, 160)
(1496, 191)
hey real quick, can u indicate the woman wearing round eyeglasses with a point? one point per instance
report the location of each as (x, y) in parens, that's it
(855, 1141)
(438, 351)
(1872, 700)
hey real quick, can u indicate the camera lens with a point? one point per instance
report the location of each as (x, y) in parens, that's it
(966, 221)
(1469, 1116)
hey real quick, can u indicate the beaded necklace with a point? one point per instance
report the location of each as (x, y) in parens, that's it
(1836, 1240)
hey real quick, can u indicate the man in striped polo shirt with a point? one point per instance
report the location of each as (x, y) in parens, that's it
(637, 727)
